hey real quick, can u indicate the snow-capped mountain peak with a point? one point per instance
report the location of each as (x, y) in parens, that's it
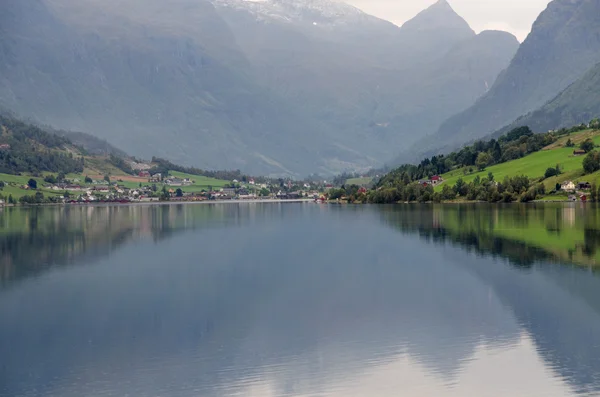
(314, 12)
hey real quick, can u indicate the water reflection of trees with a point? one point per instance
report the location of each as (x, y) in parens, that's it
(557, 305)
(523, 234)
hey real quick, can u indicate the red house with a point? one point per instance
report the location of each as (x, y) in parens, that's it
(436, 180)
(144, 174)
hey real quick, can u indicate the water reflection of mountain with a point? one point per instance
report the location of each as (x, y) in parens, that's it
(229, 304)
(557, 304)
(301, 295)
(36, 239)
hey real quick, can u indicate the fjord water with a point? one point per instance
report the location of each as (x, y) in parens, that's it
(300, 300)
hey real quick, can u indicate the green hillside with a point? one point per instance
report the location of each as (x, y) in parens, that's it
(518, 166)
(535, 165)
(360, 181)
(200, 183)
(40, 164)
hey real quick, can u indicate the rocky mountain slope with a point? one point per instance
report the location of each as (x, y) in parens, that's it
(563, 45)
(577, 104)
(271, 87)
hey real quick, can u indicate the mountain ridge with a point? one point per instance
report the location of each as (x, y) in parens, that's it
(563, 44)
(577, 104)
(213, 87)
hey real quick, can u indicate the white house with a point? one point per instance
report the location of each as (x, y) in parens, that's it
(567, 186)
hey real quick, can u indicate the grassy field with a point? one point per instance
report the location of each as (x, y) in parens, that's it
(200, 182)
(13, 183)
(536, 164)
(101, 166)
(359, 181)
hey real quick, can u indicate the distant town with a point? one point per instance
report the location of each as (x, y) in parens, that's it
(154, 187)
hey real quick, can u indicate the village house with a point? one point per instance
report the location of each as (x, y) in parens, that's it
(579, 152)
(178, 181)
(174, 182)
(251, 181)
(228, 191)
(436, 180)
(294, 195)
(144, 174)
(584, 186)
(5, 146)
(567, 186)
(101, 189)
(156, 177)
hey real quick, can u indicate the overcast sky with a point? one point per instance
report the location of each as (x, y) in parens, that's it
(515, 16)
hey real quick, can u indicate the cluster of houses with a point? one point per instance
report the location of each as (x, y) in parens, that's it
(170, 181)
(570, 186)
(576, 189)
(178, 181)
(103, 191)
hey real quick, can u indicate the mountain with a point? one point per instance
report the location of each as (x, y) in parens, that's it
(563, 45)
(375, 85)
(577, 104)
(270, 87)
(422, 33)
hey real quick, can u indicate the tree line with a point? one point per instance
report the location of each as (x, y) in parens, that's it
(518, 143)
(163, 166)
(30, 149)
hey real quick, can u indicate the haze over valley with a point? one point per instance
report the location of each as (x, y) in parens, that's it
(283, 87)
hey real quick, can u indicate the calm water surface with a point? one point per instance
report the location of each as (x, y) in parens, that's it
(273, 300)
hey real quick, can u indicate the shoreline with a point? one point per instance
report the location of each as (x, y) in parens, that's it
(154, 203)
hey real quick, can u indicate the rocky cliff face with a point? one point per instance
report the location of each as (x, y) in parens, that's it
(579, 103)
(563, 45)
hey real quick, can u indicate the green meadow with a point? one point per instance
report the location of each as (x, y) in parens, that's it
(536, 164)
(359, 181)
(200, 182)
